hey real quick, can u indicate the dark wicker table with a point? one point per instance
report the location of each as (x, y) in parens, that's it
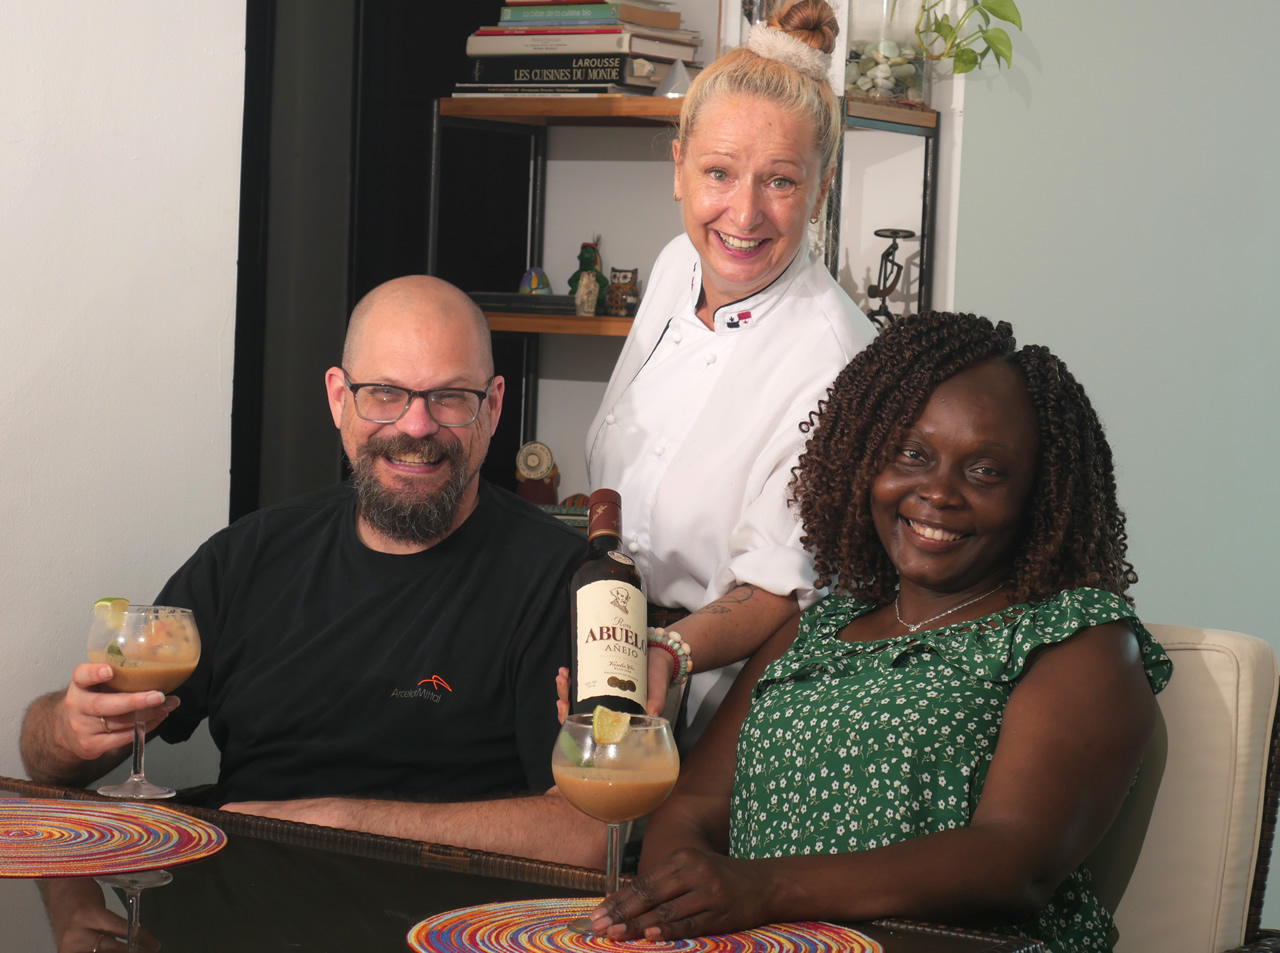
(284, 886)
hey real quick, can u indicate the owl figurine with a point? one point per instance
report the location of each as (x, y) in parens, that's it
(622, 297)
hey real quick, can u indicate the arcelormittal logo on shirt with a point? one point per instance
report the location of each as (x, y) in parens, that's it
(431, 689)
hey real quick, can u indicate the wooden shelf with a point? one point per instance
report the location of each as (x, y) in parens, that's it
(559, 324)
(918, 119)
(566, 111)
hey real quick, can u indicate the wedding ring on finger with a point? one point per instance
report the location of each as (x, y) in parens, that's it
(107, 729)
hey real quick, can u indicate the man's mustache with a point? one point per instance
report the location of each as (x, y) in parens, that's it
(403, 445)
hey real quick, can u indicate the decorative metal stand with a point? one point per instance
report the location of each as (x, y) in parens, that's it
(887, 279)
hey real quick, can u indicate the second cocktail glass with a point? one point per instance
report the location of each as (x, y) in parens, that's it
(615, 782)
(151, 648)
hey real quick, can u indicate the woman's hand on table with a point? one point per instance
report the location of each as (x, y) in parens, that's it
(95, 722)
(691, 893)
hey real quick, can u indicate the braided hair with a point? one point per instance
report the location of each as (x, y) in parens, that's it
(1074, 532)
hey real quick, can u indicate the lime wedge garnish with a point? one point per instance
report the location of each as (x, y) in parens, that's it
(608, 727)
(112, 610)
(570, 749)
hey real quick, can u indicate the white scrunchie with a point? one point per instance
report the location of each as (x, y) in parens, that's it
(773, 44)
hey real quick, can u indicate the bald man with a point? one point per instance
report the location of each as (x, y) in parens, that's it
(377, 656)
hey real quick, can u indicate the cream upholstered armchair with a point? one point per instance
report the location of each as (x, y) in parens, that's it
(1185, 864)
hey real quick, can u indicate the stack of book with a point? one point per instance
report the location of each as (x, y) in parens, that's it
(569, 48)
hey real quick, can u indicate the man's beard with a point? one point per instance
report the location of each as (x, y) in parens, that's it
(400, 514)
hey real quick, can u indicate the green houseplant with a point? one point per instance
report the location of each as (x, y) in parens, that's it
(971, 37)
(892, 43)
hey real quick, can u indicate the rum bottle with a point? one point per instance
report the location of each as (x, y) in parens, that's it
(607, 612)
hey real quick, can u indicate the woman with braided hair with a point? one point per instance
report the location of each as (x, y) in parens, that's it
(949, 732)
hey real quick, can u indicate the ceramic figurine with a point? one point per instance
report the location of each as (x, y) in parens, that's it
(588, 300)
(622, 297)
(536, 473)
(535, 282)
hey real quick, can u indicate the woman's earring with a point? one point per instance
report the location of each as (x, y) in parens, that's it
(674, 197)
(814, 220)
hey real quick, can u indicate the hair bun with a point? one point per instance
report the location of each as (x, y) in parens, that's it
(812, 22)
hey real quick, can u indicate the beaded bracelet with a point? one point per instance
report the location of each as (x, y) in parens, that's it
(671, 643)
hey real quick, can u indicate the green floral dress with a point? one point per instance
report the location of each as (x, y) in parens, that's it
(854, 745)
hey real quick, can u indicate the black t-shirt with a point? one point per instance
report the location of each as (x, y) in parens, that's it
(331, 669)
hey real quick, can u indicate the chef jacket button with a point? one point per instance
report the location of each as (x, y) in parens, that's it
(711, 358)
(634, 547)
(609, 418)
(659, 450)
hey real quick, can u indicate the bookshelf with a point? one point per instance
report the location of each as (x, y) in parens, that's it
(921, 122)
(530, 117)
(527, 121)
(553, 111)
(898, 118)
(601, 325)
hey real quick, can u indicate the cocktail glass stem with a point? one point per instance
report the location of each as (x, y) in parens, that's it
(139, 743)
(133, 885)
(613, 858)
(133, 904)
(612, 873)
(137, 785)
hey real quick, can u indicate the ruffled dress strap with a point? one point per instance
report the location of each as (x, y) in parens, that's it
(994, 648)
(997, 647)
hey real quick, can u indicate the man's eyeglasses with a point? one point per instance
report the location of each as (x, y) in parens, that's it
(448, 406)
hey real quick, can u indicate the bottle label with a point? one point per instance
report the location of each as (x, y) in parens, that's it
(612, 641)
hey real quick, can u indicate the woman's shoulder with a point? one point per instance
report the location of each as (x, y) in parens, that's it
(999, 646)
(677, 254)
(670, 279)
(825, 618)
(831, 312)
(1067, 612)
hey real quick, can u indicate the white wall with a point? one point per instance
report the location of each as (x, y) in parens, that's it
(1120, 205)
(614, 183)
(119, 187)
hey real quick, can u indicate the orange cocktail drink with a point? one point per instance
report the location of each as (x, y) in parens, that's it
(614, 767)
(615, 795)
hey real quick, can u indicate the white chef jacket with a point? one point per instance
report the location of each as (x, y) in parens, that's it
(699, 429)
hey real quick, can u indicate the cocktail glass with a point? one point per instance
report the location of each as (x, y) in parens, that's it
(151, 648)
(615, 783)
(133, 885)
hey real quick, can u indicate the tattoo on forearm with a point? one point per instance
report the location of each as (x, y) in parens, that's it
(725, 603)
